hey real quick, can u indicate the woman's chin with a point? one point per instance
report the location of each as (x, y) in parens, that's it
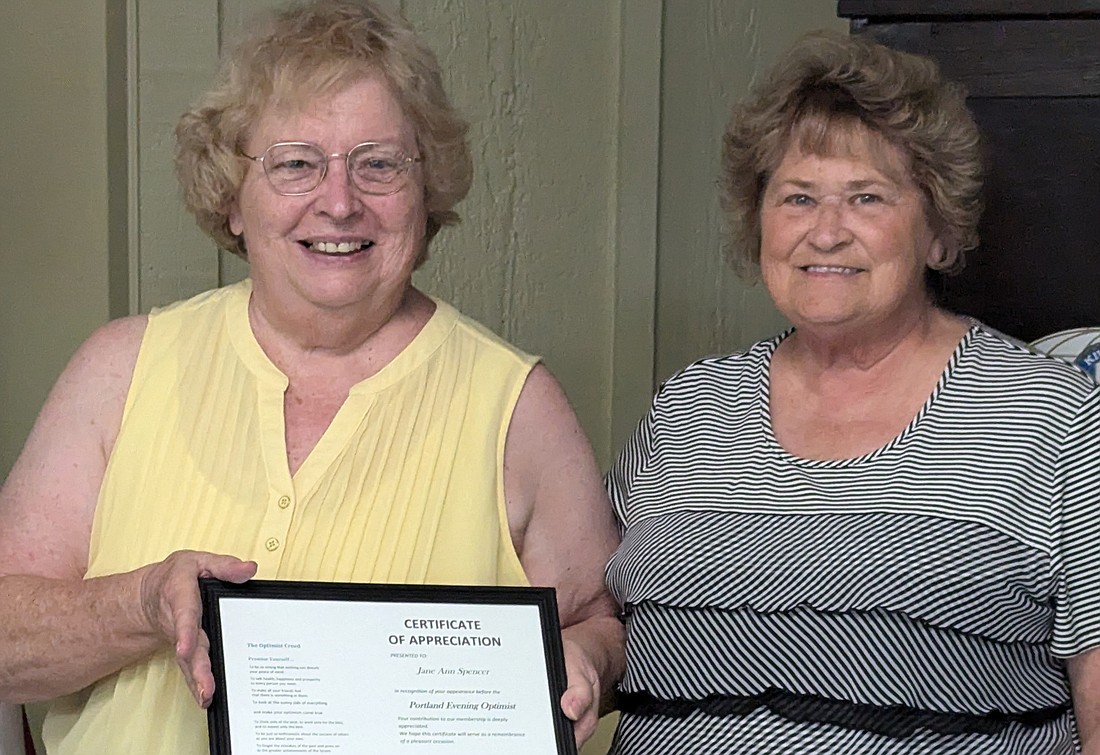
(825, 319)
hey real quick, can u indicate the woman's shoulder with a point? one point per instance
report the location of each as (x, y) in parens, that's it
(724, 372)
(85, 405)
(453, 322)
(111, 351)
(1002, 359)
(213, 301)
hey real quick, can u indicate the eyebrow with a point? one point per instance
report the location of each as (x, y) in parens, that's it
(869, 182)
(856, 185)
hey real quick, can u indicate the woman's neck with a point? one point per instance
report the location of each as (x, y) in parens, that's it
(869, 349)
(355, 342)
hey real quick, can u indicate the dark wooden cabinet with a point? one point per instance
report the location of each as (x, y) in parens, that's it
(1032, 72)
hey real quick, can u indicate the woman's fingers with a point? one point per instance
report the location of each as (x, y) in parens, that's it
(172, 606)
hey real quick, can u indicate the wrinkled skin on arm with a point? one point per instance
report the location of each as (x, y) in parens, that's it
(58, 631)
(564, 531)
(1084, 678)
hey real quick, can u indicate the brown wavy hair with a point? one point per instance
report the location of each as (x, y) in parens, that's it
(827, 88)
(308, 50)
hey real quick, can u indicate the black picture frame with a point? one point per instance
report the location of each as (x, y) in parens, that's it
(213, 592)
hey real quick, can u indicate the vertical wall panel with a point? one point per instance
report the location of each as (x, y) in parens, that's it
(636, 192)
(54, 266)
(177, 56)
(532, 258)
(713, 51)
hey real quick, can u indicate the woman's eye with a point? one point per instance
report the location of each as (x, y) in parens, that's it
(369, 164)
(380, 163)
(798, 200)
(294, 165)
(866, 199)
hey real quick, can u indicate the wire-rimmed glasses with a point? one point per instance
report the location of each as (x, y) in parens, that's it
(296, 168)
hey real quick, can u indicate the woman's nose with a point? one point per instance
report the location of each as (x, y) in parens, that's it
(830, 230)
(337, 196)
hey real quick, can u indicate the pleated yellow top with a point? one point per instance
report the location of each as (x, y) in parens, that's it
(405, 486)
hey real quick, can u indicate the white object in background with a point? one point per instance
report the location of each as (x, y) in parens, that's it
(11, 729)
(1078, 346)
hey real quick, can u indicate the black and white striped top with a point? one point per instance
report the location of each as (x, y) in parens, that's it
(913, 600)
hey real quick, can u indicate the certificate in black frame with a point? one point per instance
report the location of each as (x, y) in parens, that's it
(543, 598)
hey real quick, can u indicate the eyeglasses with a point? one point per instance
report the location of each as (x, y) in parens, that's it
(296, 168)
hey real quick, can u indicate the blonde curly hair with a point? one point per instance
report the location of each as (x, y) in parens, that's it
(308, 50)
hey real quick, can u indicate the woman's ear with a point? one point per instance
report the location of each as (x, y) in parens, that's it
(236, 225)
(937, 253)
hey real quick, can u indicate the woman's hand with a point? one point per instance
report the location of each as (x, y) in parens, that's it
(172, 606)
(581, 701)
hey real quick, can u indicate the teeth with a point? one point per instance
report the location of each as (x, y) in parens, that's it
(328, 247)
(829, 269)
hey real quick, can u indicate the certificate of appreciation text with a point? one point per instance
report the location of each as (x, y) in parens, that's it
(399, 675)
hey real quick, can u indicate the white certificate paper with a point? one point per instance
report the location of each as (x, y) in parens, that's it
(394, 676)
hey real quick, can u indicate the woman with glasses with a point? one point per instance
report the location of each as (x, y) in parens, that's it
(322, 420)
(881, 528)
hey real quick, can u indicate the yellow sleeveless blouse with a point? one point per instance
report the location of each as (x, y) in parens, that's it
(405, 486)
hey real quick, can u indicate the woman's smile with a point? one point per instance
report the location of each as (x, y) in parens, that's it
(338, 248)
(832, 270)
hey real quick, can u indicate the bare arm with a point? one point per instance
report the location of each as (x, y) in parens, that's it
(1084, 677)
(58, 632)
(564, 531)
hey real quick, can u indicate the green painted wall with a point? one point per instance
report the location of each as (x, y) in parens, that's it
(713, 51)
(592, 235)
(54, 268)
